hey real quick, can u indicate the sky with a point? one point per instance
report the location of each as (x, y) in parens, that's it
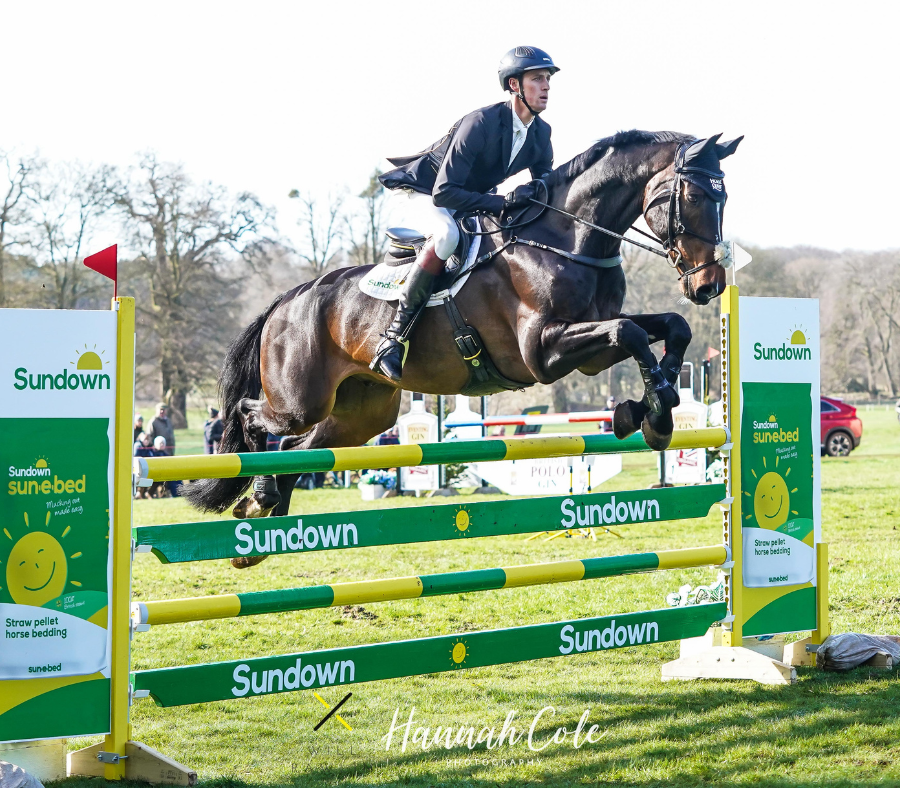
(272, 96)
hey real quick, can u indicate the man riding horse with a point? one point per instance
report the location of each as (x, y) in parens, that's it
(460, 172)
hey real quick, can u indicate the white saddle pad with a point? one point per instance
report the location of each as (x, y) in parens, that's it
(384, 281)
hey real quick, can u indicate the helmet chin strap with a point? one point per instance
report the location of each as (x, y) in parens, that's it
(521, 96)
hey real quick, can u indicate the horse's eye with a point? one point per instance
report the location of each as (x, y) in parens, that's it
(692, 199)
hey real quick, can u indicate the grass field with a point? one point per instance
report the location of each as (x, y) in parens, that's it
(827, 730)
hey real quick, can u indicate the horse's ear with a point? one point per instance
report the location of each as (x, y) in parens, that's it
(727, 148)
(700, 147)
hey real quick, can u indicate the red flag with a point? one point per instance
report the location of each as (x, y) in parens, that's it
(711, 353)
(105, 263)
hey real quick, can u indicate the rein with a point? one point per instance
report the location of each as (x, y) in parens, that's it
(674, 226)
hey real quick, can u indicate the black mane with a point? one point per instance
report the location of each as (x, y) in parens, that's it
(621, 139)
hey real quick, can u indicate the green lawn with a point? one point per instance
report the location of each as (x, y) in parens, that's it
(827, 730)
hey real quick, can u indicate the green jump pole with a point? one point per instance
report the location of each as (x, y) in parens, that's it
(306, 533)
(226, 466)
(245, 678)
(176, 611)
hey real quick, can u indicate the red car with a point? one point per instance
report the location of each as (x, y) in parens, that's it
(841, 427)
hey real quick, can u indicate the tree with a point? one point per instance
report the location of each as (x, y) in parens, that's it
(68, 201)
(189, 242)
(366, 231)
(20, 171)
(322, 230)
(875, 281)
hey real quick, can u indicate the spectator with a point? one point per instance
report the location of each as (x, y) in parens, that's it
(212, 432)
(389, 437)
(143, 446)
(138, 425)
(606, 426)
(161, 427)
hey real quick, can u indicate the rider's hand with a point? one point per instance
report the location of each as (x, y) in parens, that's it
(521, 195)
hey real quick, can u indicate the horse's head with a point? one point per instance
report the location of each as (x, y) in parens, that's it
(683, 205)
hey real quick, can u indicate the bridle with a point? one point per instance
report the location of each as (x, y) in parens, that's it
(674, 224)
(671, 193)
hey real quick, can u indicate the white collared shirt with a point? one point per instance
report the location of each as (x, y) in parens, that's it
(519, 132)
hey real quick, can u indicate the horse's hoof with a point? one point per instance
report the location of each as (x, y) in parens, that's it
(245, 562)
(623, 421)
(249, 508)
(657, 436)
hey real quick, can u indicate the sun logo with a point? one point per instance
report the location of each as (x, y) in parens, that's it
(462, 520)
(89, 359)
(772, 419)
(459, 653)
(41, 462)
(798, 335)
(37, 568)
(771, 499)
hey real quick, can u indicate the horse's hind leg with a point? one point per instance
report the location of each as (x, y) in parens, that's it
(361, 411)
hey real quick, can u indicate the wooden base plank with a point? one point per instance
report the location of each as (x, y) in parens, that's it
(729, 663)
(143, 763)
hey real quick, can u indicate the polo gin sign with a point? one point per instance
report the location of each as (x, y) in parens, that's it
(779, 367)
(57, 422)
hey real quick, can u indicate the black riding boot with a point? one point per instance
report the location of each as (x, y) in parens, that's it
(391, 353)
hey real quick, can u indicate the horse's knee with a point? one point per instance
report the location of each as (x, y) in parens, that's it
(679, 333)
(629, 335)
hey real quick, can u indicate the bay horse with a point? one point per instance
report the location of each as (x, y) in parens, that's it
(301, 368)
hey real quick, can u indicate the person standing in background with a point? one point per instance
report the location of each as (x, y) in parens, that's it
(162, 427)
(212, 432)
(138, 425)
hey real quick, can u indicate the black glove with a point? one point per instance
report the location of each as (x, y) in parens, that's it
(521, 195)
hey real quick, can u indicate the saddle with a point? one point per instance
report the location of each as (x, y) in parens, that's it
(484, 377)
(407, 243)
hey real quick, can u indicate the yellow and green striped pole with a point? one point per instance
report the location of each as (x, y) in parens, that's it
(178, 611)
(227, 466)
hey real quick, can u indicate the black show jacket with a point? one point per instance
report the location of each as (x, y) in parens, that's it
(468, 162)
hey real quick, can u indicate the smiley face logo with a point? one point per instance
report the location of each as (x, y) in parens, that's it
(771, 501)
(36, 569)
(462, 520)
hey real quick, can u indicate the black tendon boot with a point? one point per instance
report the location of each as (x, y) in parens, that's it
(391, 353)
(659, 393)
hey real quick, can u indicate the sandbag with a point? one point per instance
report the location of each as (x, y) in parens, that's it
(12, 776)
(850, 650)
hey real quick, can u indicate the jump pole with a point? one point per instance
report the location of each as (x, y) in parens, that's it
(179, 611)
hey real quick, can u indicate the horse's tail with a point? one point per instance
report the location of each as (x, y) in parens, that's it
(239, 379)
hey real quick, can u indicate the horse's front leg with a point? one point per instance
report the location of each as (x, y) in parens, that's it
(656, 425)
(598, 345)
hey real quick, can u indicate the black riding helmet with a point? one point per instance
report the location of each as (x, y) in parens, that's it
(519, 60)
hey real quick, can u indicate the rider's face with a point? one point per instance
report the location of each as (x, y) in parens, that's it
(536, 86)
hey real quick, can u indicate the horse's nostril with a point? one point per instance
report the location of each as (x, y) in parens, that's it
(706, 293)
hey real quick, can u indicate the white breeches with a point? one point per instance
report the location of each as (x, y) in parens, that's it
(432, 221)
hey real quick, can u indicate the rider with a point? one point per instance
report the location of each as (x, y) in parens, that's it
(460, 173)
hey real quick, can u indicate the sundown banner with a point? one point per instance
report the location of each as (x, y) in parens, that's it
(780, 462)
(57, 422)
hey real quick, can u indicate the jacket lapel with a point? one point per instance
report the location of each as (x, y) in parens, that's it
(505, 135)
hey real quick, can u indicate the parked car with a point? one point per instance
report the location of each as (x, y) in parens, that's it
(841, 427)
